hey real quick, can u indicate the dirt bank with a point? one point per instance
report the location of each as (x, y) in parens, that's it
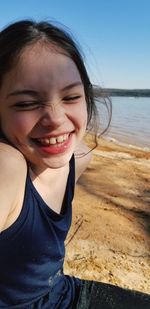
(110, 236)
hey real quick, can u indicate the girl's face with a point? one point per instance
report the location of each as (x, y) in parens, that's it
(43, 108)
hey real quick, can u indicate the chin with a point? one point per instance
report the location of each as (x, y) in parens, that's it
(58, 162)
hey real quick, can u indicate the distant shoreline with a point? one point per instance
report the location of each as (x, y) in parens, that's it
(115, 92)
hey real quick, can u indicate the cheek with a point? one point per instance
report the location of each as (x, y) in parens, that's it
(84, 122)
(81, 112)
(17, 125)
(83, 116)
(22, 124)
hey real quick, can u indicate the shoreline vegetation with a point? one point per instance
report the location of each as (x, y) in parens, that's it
(103, 92)
(109, 240)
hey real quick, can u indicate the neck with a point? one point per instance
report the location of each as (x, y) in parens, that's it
(47, 174)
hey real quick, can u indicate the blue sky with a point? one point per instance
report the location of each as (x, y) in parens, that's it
(114, 34)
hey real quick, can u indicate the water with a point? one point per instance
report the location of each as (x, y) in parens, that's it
(130, 120)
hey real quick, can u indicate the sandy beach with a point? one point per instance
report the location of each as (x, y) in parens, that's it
(109, 240)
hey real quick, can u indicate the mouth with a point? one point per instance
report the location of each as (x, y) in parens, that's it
(54, 144)
(53, 140)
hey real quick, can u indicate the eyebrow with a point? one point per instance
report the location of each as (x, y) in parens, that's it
(72, 85)
(24, 91)
(35, 93)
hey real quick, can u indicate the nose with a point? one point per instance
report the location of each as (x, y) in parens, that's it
(53, 116)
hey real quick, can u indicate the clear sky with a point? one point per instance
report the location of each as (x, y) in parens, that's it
(114, 34)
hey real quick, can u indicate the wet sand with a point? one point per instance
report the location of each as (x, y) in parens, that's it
(109, 240)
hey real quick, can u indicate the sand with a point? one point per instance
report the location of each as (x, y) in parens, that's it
(109, 240)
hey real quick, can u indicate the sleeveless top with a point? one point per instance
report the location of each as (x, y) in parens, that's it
(32, 252)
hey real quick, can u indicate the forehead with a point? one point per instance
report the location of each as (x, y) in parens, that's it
(40, 66)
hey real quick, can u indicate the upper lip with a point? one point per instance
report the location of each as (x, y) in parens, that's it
(53, 135)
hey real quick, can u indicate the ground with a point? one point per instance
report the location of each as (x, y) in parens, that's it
(109, 240)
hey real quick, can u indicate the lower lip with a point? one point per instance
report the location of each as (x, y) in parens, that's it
(57, 148)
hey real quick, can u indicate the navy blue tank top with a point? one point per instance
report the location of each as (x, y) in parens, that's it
(32, 252)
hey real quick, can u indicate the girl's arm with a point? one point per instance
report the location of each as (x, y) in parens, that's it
(82, 159)
(12, 173)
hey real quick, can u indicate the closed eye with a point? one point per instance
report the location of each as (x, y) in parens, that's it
(28, 105)
(72, 98)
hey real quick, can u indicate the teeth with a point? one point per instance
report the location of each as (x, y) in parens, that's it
(44, 141)
(65, 137)
(60, 139)
(54, 140)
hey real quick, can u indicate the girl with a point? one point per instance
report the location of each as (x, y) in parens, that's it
(46, 103)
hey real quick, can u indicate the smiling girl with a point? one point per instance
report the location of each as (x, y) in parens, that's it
(46, 104)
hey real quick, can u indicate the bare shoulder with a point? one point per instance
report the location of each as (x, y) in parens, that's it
(12, 175)
(7, 150)
(82, 159)
(11, 160)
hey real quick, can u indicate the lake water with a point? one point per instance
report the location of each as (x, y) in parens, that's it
(130, 122)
